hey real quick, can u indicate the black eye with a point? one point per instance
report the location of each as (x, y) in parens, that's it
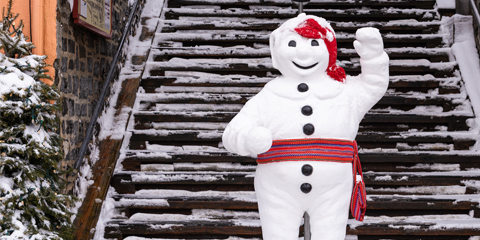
(314, 43)
(292, 43)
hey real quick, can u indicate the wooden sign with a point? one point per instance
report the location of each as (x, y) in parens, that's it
(95, 15)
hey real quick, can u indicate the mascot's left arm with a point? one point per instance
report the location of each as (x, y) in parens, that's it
(372, 83)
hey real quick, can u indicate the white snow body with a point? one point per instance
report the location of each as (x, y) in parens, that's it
(276, 113)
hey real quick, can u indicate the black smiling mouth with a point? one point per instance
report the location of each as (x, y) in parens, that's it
(307, 67)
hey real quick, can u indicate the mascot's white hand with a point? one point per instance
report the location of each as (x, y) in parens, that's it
(369, 43)
(258, 140)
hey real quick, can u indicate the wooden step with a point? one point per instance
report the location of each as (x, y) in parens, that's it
(377, 204)
(287, 3)
(263, 67)
(209, 23)
(220, 160)
(208, 200)
(461, 140)
(331, 14)
(400, 83)
(219, 228)
(387, 121)
(398, 101)
(165, 54)
(227, 38)
(372, 179)
(421, 183)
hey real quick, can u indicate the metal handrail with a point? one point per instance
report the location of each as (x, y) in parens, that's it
(99, 106)
(474, 11)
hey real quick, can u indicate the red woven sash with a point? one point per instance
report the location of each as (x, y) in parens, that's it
(326, 150)
(310, 149)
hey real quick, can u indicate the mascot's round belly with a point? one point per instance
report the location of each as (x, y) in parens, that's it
(311, 118)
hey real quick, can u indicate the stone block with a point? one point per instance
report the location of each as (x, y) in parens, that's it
(81, 132)
(70, 64)
(71, 107)
(77, 109)
(103, 46)
(86, 88)
(64, 44)
(103, 67)
(75, 84)
(90, 64)
(71, 46)
(82, 52)
(64, 64)
(77, 64)
(96, 68)
(65, 107)
(69, 128)
(96, 87)
(83, 111)
(75, 128)
(82, 66)
(66, 85)
(92, 107)
(73, 154)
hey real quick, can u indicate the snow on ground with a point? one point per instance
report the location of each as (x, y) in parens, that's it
(445, 4)
(468, 61)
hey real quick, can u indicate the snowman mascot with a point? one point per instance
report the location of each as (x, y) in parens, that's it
(302, 126)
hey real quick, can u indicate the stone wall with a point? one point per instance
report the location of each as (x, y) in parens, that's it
(83, 61)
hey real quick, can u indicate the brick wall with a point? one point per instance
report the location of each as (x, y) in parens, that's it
(83, 61)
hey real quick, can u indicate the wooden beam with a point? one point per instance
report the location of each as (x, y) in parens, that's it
(89, 212)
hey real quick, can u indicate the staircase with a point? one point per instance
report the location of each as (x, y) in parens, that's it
(208, 57)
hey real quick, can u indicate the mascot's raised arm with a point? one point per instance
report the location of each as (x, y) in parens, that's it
(302, 127)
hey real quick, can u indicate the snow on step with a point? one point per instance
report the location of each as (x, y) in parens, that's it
(229, 238)
(187, 78)
(460, 225)
(375, 178)
(265, 64)
(212, 96)
(263, 36)
(206, 134)
(386, 13)
(205, 37)
(165, 196)
(249, 23)
(245, 51)
(288, 2)
(225, 113)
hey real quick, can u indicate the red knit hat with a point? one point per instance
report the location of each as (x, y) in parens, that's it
(311, 29)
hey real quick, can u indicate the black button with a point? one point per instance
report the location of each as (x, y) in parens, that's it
(302, 87)
(308, 129)
(306, 187)
(307, 110)
(307, 169)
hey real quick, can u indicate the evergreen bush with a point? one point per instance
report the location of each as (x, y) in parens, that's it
(32, 205)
